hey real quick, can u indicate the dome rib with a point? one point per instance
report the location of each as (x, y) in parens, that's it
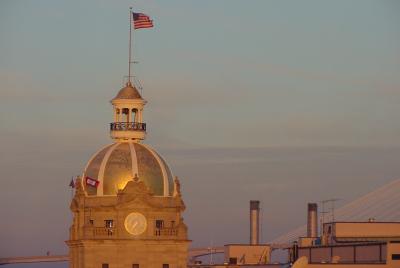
(163, 170)
(135, 168)
(95, 164)
(100, 189)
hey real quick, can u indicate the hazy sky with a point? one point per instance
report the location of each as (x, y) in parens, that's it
(282, 101)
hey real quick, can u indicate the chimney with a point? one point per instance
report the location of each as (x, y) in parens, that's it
(254, 222)
(312, 220)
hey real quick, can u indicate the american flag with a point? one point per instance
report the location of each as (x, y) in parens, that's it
(141, 20)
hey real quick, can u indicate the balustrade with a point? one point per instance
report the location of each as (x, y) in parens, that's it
(166, 232)
(127, 126)
(99, 232)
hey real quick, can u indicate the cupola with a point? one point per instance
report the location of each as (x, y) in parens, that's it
(128, 122)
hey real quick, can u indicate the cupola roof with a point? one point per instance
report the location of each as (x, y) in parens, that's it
(128, 92)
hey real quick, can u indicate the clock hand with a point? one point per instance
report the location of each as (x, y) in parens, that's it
(134, 225)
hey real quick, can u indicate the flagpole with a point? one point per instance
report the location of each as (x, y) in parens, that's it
(130, 44)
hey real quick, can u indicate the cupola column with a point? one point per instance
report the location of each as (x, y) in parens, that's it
(128, 115)
(140, 115)
(116, 119)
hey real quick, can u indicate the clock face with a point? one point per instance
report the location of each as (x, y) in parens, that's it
(135, 223)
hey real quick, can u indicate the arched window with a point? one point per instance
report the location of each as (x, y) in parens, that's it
(125, 113)
(134, 115)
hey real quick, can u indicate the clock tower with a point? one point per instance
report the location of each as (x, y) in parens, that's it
(127, 208)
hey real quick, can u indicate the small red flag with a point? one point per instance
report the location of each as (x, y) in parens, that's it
(92, 182)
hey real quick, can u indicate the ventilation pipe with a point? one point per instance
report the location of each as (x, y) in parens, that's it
(254, 222)
(312, 220)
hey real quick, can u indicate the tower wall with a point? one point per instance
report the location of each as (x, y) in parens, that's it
(125, 253)
(101, 233)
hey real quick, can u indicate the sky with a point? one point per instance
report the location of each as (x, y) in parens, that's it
(282, 101)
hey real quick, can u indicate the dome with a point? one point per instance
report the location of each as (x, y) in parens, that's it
(128, 92)
(116, 164)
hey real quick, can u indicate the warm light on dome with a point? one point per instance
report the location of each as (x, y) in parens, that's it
(122, 185)
(117, 164)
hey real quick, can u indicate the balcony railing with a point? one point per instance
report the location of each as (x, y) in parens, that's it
(99, 232)
(166, 232)
(127, 126)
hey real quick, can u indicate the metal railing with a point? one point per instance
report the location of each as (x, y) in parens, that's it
(127, 126)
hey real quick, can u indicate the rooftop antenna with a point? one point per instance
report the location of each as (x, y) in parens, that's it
(130, 45)
(138, 84)
(211, 249)
(135, 80)
(332, 211)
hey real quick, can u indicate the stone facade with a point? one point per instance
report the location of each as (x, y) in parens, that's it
(100, 236)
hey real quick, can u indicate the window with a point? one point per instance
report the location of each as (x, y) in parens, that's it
(172, 224)
(396, 257)
(125, 115)
(232, 260)
(109, 223)
(134, 115)
(165, 266)
(135, 265)
(91, 222)
(159, 227)
(159, 224)
(104, 265)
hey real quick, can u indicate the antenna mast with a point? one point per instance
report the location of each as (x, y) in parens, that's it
(323, 212)
(130, 44)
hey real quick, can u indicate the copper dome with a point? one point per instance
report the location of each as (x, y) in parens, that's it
(128, 92)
